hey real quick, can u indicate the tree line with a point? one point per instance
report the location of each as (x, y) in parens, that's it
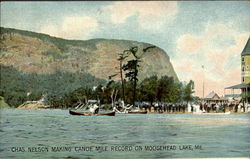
(15, 85)
(66, 89)
(152, 89)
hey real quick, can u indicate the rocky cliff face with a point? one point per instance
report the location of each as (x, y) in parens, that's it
(33, 52)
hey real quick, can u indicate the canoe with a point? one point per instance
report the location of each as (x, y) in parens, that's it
(138, 112)
(90, 114)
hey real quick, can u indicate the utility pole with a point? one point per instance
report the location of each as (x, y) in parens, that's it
(203, 88)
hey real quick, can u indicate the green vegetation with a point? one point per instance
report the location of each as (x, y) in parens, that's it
(188, 91)
(164, 89)
(54, 54)
(64, 89)
(3, 105)
(132, 69)
(15, 85)
(152, 89)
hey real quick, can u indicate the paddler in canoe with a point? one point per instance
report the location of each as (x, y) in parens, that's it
(94, 109)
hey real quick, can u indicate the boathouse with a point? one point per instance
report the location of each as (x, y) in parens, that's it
(214, 98)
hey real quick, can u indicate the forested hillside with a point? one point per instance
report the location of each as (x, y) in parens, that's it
(15, 85)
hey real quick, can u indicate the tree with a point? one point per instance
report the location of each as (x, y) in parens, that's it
(132, 68)
(168, 90)
(128, 91)
(121, 58)
(149, 88)
(175, 92)
(188, 91)
(163, 89)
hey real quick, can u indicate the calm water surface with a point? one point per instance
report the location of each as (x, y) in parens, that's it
(218, 135)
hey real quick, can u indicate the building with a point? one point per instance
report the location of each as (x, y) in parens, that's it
(245, 74)
(213, 98)
(245, 64)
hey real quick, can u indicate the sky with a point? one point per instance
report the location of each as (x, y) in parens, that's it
(193, 33)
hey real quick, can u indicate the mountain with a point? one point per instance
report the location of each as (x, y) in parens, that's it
(31, 52)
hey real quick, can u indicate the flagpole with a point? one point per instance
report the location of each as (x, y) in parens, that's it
(203, 85)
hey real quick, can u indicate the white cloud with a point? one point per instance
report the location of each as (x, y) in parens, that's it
(189, 44)
(72, 27)
(218, 48)
(151, 14)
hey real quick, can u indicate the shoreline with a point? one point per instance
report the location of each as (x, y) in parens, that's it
(195, 113)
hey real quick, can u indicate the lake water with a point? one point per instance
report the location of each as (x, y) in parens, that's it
(56, 134)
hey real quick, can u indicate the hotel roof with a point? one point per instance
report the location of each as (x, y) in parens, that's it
(246, 50)
(239, 86)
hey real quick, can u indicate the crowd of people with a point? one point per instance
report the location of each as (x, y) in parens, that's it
(160, 107)
(194, 107)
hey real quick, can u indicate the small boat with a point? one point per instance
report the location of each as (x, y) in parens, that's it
(90, 114)
(137, 112)
(226, 113)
